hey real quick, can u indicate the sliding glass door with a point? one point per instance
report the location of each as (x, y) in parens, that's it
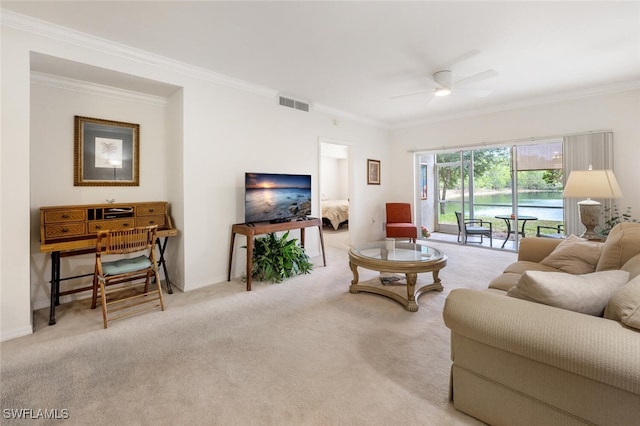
(452, 178)
(539, 180)
(493, 183)
(478, 185)
(525, 179)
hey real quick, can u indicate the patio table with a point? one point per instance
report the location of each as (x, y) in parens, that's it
(508, 218)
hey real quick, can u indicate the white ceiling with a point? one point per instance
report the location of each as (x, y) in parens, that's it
(354, 56)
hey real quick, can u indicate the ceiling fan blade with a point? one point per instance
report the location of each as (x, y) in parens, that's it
(428, 101)
(476, 78)
(468, 55)
(477, 93)
(412, 94)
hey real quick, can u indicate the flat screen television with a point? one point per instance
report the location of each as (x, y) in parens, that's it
(276, 197)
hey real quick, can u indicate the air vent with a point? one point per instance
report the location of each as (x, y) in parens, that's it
(292, 103)
(287, 102)
(302, 106)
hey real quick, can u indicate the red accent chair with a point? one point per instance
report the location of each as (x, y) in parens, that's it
(399, 223)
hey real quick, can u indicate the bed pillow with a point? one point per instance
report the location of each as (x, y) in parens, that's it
(586, 293)
(624, 305)
(574, 255)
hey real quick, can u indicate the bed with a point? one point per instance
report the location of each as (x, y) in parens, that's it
(335, 212)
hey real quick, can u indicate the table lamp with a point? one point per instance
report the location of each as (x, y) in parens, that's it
(591, 183)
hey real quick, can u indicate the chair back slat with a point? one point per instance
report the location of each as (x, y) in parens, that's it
(124, 241)
(127, 274)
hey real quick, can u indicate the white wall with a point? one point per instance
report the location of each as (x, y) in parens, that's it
(213, 134)
(619, 112)
(15, 298)
(334, 175)
(249, 133)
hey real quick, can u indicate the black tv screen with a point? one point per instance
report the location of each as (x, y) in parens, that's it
(276, 197)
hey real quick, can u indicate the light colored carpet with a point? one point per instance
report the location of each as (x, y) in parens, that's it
(304, 352)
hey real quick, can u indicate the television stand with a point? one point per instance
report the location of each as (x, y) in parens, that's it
(272, 221)
(259, 228)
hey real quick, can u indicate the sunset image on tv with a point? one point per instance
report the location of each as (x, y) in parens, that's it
(270, 196)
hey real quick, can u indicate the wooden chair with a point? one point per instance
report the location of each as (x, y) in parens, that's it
(399, 223)
(468, 227)
(128, 274)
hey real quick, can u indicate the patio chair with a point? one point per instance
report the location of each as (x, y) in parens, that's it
(480, 227)
(558, 231)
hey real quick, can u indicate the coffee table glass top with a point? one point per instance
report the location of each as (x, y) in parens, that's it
(397, 251)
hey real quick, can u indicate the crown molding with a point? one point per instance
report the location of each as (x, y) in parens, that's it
(543, 100)
(59, 82)
(77, 38)
(84, 40)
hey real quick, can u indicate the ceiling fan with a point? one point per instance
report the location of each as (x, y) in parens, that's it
(445, 85)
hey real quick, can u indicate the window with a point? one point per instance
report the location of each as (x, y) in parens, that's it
(522, 178)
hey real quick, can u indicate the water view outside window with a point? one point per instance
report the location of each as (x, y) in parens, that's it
(480, 184)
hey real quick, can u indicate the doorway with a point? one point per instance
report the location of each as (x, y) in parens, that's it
(334, 192)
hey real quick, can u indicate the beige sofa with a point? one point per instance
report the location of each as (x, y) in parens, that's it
(524, 363)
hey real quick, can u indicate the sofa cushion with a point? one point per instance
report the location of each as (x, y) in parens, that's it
(574, 255)
(632, 266)
(522, 266)
(513, 272)
(587, 293)
(504, 281)
(622, 244)
(624, 305)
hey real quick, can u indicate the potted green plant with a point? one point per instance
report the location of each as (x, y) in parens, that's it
(276, 258)
(612, 217)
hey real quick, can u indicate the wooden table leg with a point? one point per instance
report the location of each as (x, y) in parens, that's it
(249, 260)
(55, 286)
(435, 286)
(324, 259)
(231, 243)
(412, 305)
(436, 277)
(356, 277)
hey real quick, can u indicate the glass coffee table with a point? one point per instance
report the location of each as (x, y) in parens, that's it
(397, 257)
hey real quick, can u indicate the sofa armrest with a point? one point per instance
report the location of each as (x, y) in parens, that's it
(534, 249)
(593, 347)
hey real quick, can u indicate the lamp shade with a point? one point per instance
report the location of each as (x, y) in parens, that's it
(592, 184)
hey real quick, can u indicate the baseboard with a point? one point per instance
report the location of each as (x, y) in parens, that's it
(15, 333)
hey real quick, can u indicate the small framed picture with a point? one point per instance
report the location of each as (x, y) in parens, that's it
(106, 153)
(373, 172)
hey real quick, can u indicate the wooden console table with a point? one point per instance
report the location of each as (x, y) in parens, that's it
(250, 231)
(71, 231)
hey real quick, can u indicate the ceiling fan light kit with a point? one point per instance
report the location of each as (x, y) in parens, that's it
(443, 78)
(444, 84)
